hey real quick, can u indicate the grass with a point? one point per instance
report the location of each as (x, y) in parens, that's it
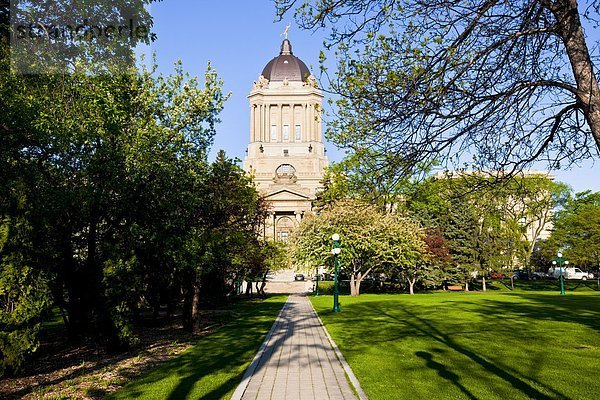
(553, 285)
(494, 345)
(214, 366)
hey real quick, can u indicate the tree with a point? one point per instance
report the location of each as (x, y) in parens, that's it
(529, 202)
(506, 82)
(231, 213)
(100, 178)
(438, 258)
(371, 241)
(577, 232)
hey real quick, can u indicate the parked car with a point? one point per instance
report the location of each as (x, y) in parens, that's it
(572, 273)
(497, 275)
(539, 275)
(520, 274)
(299, 277)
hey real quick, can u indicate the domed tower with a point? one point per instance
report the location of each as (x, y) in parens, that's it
(286, 155)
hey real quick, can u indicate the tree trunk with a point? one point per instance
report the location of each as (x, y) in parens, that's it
(196, 306)
(411, 285)
(466, 286)
(571, 32)
(261, 292)
(483, 284)
(355, 284)
(188, 300)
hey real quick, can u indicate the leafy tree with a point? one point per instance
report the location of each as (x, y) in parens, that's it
(24, 297)
(438, 259)
(104, 171)
(334, 187)
(507, 82)
(577, 232)
(370, 241)
(529, 202)
(460, 228)
(231, 214)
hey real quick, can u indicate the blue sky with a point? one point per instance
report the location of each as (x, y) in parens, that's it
(239, 37)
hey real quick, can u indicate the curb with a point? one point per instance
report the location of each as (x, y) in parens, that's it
(239, 391)
(353, 380)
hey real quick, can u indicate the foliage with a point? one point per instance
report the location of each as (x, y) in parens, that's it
(371, 241)
(577, 232)
(491, 222)
(109, 205)
(501, 84)
(24, 299)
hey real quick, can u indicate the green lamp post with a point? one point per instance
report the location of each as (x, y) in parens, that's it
(560, 260)
(317, 282)
(336, 264)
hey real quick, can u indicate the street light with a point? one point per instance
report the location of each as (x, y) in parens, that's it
(317, 282)
(559, 259)
(336, 252)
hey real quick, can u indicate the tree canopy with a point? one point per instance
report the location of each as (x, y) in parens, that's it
(577, 232)
(371, 241)
(499, 84)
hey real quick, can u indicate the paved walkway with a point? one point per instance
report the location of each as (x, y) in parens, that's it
(296, 360)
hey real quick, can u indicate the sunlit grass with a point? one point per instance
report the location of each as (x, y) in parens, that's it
(515, 345)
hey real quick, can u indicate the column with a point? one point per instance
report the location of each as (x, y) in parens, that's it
(298, 215)
(306, 127)
(280, 128)
(319, 136)
(259, 122)
(292, 123)
(311, 116)
(267, 132)
(252, 125)
(274, 220)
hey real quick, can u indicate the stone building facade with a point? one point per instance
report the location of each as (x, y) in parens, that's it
(286, 155)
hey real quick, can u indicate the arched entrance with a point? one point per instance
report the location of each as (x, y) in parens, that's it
(284, 227)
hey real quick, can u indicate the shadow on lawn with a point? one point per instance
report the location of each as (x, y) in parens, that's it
(580, 309)
(223, 352)
(427, 328)
(388, 321)
(444, 372)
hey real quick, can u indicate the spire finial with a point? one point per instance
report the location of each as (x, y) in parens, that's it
(286, 31)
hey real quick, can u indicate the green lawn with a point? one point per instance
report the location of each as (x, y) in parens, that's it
(514, 345)
(214, 366)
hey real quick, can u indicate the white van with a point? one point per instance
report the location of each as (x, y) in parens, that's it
(572, 273)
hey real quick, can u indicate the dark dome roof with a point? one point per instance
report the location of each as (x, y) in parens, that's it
(286, 66)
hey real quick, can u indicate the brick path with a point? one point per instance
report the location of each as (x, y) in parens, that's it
(296, 361)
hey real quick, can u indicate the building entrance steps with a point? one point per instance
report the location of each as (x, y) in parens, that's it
(298, 361)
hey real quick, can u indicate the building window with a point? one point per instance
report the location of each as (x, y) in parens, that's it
(286, 153)
(273, 132)
(298, 132)
(286, 132)
(285, 170)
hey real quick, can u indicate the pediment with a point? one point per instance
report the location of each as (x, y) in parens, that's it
(286, 194)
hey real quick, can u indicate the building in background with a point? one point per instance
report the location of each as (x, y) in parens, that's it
(286, 155)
